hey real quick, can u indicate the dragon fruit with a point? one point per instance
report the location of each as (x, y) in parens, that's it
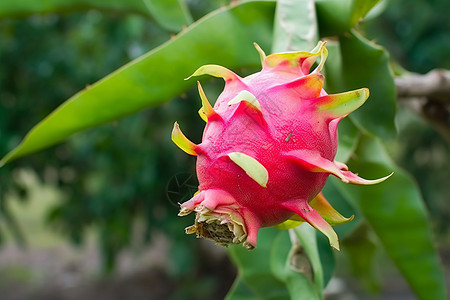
(267, 150)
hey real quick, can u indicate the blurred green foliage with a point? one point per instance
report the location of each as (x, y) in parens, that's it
(414, 32)
(416, 35)
(104, 184)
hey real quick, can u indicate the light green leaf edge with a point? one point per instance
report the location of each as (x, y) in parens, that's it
(295, 26)
(339, 16)
(396, 212)
(157, 76)
(172, 15)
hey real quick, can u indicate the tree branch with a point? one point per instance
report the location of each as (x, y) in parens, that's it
(429, 96)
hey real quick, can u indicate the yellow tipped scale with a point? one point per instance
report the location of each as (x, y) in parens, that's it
(182, 141)
(311, 215)
(206, 112)
(324, 208)
(340, 105)
(216, 71)
(328, 213)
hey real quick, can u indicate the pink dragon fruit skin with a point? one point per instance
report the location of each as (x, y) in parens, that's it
(268, 149)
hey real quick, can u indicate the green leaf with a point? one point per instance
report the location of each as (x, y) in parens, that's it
(240, 291)
(358, 63)
(332, 67)
(298, 265)
(275, 269)
(254, 266)
(295, 26)
(362, 253)
(326, 257)
(360, 8)
(306, 236)
(365, 64)
(395, 211)
(348, 140)
(170, 14)
(339, 16)
(158, 76)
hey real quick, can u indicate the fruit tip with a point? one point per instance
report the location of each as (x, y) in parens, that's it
(367, 92)
(262, 54)
(380, 180)
(336, 246)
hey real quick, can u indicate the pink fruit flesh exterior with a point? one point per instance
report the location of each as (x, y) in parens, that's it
(268, 149)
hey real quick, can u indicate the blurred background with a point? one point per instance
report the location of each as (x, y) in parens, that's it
(96, 216)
